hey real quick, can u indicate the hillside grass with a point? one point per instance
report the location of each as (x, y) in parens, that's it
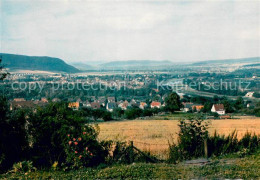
(229, 167)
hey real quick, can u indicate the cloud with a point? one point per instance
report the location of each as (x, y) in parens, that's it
(121, 30)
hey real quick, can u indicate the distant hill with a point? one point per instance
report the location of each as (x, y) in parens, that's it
(40, 63)
(228, 61)
(82, 66)
(252, 65)
(135, 63)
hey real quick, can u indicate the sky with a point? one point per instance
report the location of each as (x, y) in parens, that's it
(109, 30)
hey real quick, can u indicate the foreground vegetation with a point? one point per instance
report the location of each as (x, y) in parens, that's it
(225, 167)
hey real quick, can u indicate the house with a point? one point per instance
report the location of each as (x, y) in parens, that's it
(249, 94)
(181, 95)
(74, 105)
(143, 105)
(19, 99)
(86, 104)
(102, 100)
(56, 100)
(22, 105)
(187, 106)
(197, 108)
(111, 99)
(26, 104)
(218, 108)
(111, 106)
(124, 105)
(95, 105)
(44, 100)
(133, 103)
(156, 104)
(250, 105)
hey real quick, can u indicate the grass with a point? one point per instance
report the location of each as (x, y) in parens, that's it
(154, 135)
(230, 167)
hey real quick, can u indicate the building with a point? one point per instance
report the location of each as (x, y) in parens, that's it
(124, 105)
(249, 94)
(102, 100)
(111, 106)
(156, 104)
(74, 105)
(87, 104)
(26, 104)
(56, 100)
(111, 99)
(218, 108)
(250, 105)
(197, 108)
(95, 105)
(187, 106)
(21, 104)
(44, 100)
(19, 99)
(143, 105)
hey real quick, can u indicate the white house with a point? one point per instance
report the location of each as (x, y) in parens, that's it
(249, 94)
(218, 108)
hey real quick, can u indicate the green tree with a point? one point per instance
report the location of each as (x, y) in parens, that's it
(48, 129)
(239, 103)
(3, 74)
(228, 105)
(173, 102)
(13, 136)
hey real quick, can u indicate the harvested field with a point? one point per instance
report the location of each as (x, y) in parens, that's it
(154, 135)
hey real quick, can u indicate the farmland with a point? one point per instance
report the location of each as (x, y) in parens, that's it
(154, 135)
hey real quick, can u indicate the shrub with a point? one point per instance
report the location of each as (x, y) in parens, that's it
(23, 167)
(193, 134)
(83, 149)
(220, 144)
(190, 140)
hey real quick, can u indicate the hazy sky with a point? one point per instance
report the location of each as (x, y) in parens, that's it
(83, 30)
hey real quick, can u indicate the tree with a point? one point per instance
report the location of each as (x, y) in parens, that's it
(2, 73)
(48, 129)
(13, 136)
(228, 106)
(207, 107)
(117, 113)
(173, 102)
(107, 116)
(239, 103)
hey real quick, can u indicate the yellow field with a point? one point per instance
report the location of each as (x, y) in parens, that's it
(154, 135)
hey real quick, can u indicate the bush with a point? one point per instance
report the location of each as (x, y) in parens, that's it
(23, 167)
(133, 113)
(220, 144)
(83, 149)
(48, 129)
(193, 134)
(190, 140)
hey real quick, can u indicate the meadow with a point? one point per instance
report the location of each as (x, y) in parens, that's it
(154, 135)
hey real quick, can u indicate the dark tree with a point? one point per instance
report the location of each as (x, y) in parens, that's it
(2, 73)
(173, 102)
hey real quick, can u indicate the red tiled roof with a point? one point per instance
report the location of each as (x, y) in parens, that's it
(219, 107)
(154, 103)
